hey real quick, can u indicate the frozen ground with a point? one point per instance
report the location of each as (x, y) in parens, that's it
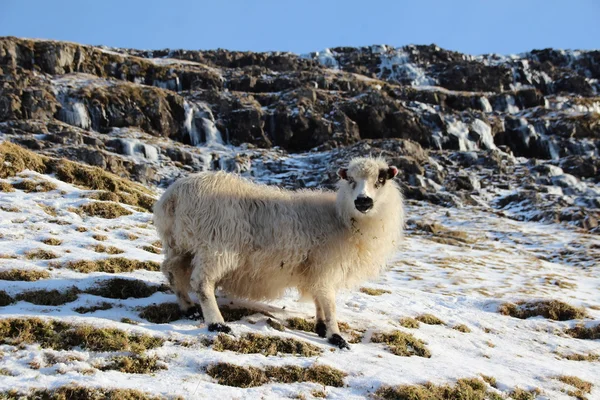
(461, 274)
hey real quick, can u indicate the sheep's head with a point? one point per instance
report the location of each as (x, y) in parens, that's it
(364, 183)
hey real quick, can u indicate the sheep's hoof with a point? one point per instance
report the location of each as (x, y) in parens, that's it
(219, 327)
(339, 341)
(194, 313)
(321, 328)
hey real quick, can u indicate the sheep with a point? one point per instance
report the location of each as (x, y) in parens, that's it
(255, 241)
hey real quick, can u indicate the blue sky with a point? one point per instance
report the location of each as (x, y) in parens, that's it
(475, 27)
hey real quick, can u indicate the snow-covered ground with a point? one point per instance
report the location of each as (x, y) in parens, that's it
(459, 281)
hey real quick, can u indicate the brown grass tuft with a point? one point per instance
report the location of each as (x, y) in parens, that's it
(122, 288)
(40, 254)
(6, 187)
(410, 323)
(161, 313)
(578, 383)
(429, 319)
(551, 309)
(111, 265)
(462, 328)
(402, 344)
(101, 306)
(45, 297)
(238, 376)
(5, 299)
(59, 335)
(135, 364)
(152, 249)
(253, 343)
(72, 392)
(99, 248)
(582, 332)
(27, 275)
(100, 238)
(275, 325)
(28, 186)
(373, 292)
(52, 241)
(105, 210)
(464, 389)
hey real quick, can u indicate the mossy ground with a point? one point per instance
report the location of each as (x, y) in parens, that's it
(5, 299)
(582, 387)
(402, 344)
(551, 309)
(252, 343)
(28, 186)
(59, 335)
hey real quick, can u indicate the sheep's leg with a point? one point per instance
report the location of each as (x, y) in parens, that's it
(327, 301)
(320, 327)
(204, 284)
(177, 269)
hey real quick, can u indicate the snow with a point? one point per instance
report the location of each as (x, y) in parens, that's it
(460, 130)
(505, 260)
(396, 63)
(485, 134)
(200, 113)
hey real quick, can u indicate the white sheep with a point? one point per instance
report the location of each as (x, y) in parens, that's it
(255, 241)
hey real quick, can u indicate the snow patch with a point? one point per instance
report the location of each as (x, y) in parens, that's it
(396, 65)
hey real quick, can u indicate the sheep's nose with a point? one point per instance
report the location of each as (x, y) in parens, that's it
(363, 203)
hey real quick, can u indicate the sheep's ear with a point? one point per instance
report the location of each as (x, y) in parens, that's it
(392, 172)
(343, 173)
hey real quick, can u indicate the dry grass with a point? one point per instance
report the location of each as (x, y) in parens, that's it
(162, 313)
(522, 394)
(40, 254)
(583, 332)
(253, 343)
(14, 159)
(429, 319)
(121, 288)
(490, 380)
(152, 249)
(275, 325)
(580, 357)
(52, 241)
(79, 393)
(104, 210)
(99, 248)
(551, 309)
(374, 292)
(27, 275)
(5, 299)
(410, 323)
(6, 187)
(28, 186)
(100, 238)
(464, 389)
(49, 297)
(9, 208)
(244, 377)
(134, 364)
(402, 344)
(462, 328)
(300, 324)
(101, 306)
(111, 265)
(583, 387)
(59, 335)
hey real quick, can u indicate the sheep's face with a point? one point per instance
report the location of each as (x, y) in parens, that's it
(364, 183)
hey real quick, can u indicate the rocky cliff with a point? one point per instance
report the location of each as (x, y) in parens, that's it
(517, 135)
